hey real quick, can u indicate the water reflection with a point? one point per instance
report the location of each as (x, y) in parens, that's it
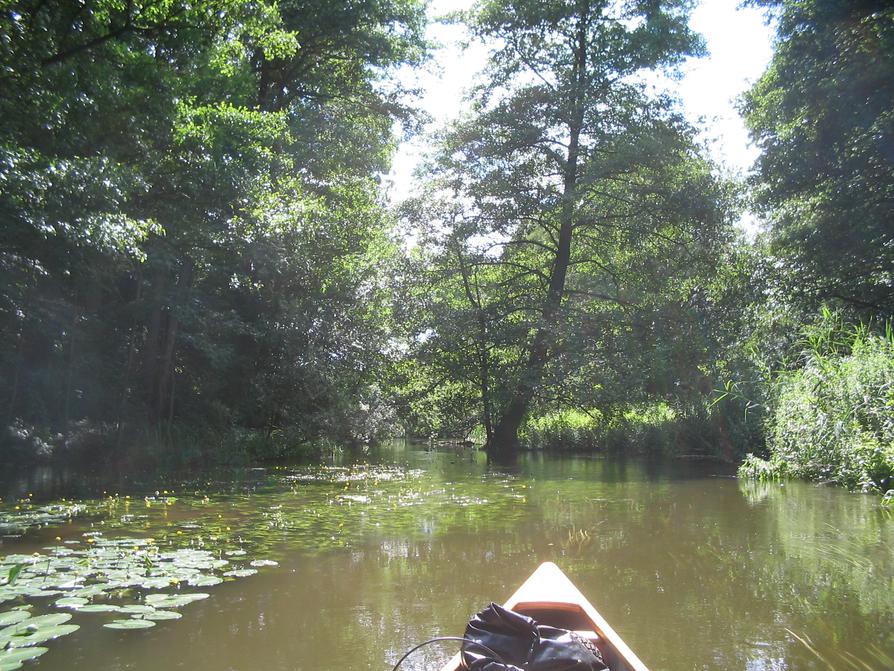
(693, 568)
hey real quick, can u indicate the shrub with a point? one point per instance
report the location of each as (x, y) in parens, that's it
(832, 418)
(646, 428)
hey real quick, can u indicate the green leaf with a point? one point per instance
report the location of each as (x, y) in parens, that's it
(13, 617)
(241, 573)
(162, 615)
(99, 608)
(136, 609)
(30, 637)
(12, 658)
(129, 624)
(14, 573)
(174, 600)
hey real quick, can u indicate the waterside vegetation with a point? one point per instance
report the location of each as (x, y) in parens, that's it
(832, 416)
(199, 259)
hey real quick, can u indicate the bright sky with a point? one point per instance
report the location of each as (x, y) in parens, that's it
(740, 46)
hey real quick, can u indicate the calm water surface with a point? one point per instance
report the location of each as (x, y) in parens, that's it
(693, 568)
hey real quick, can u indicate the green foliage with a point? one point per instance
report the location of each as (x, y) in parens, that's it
(822, 116)
(640, 428)
(570, 431)
(832, 417)
(762, 470)
(192, 226)
(568, 221)
(13, 573)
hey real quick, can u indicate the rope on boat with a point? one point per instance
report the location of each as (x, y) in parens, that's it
(448, 638)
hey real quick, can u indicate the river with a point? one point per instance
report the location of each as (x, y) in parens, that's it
(357, 560)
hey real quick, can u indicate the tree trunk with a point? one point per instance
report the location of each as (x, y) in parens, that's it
(166, 368)
(69, 374)
(126, 381)
(474, 298)
(16, 375)
(504, 442)
(151, 348)
(167, 364)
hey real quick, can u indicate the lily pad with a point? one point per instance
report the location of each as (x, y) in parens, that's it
(50, 620)
(241, 572)
(204, 581)
(12, 658)
(89, 591)
(99, 608)
(31, 636)
(161, 615)
(174, 600)
(136, 609)
(158, 583)
(129, 624)
(13, 617)
(71, 602)
(264, 562)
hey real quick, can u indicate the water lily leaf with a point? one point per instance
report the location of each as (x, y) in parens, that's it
(136, 609)
(204, 581)
(20, 559)
(174, 600)
(12, 658)
(50, 620)
(158, 583)
(241, 573)
(264, 562)
(129, 624)
(13, 617)
(39, 635)
(236, 553)
(89, 591)
(71, 602)
(161, 615)
(99, 608)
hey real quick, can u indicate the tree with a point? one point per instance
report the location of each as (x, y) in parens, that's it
(577, 192)
(191, 208)
(822, 116)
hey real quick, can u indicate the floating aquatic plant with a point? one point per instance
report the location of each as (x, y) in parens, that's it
(26, 515)
(33, 630)
(12, 658)
(129, 624)
(106, 576)
(137, 559)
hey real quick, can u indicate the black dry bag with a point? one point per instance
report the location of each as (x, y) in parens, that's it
(522, 644)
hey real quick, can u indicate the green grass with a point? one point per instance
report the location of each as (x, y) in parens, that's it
(641, 428)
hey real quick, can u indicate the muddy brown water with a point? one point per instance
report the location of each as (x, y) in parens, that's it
(694, 568)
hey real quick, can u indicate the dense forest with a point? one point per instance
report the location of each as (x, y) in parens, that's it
(198, 258)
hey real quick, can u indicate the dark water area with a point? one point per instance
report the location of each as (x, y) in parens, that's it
(377, 552)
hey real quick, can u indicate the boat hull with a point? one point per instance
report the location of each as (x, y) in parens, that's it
(550, 598)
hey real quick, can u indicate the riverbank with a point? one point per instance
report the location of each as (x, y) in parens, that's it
(831, 417)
